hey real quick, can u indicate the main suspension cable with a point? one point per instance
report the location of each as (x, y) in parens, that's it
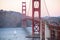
(46, 8)
(29, 7)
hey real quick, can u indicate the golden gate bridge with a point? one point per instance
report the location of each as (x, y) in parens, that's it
(38, 24)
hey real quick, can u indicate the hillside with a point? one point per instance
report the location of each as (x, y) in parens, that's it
(10, 18)
(53, 20)
(14, 19)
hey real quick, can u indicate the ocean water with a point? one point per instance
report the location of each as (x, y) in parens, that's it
(19, 33)
(14, 33)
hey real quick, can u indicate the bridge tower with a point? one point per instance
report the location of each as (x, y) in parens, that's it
(36, 25)
(23, 14)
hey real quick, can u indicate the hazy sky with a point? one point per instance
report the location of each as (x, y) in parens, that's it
(16, 5)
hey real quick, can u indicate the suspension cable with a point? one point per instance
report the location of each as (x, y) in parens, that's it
(29, 7)
(49, 16)
(46, 8)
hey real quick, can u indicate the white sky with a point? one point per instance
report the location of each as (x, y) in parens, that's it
(16, 5)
